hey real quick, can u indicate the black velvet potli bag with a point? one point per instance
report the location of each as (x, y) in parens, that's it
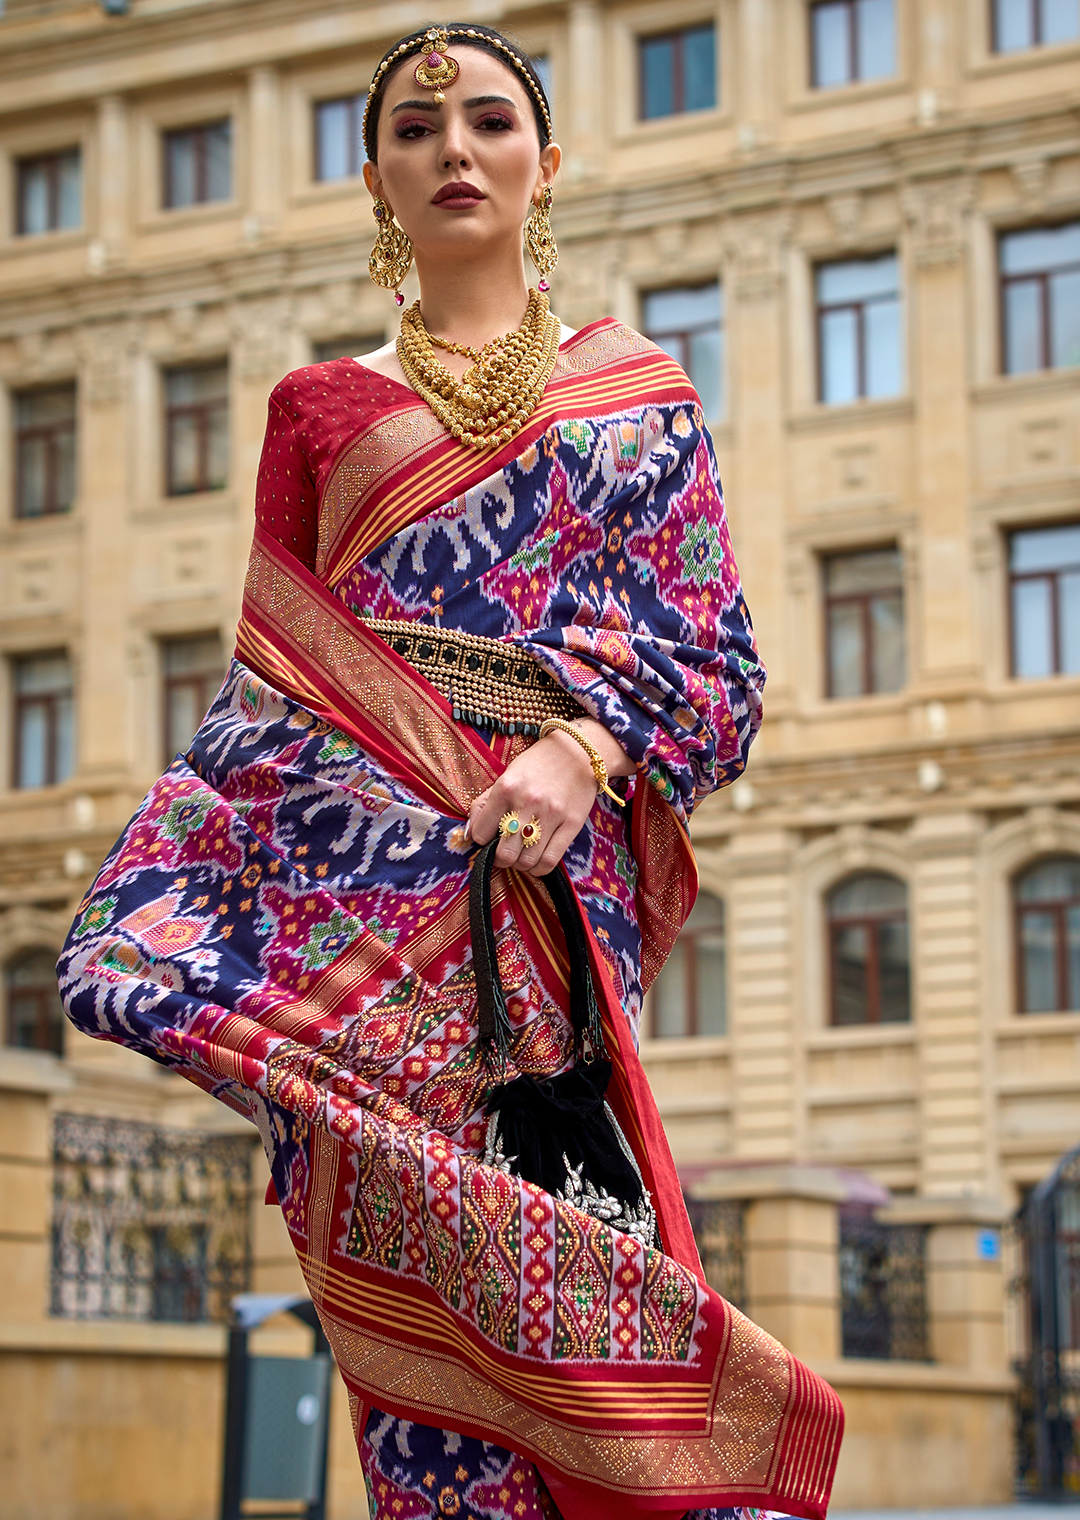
(558, 1131)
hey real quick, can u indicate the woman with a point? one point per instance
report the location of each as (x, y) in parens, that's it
(463, 541)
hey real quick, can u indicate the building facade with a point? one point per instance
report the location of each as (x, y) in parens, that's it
(857, 223)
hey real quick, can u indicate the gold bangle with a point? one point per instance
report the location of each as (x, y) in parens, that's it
(596, 759)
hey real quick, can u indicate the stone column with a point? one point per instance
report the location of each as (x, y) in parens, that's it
(265, 155)
(27, 1083)
(791, 1260)
(112, 214)
(584, 66)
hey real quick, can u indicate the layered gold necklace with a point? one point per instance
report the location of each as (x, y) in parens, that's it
(498, 394)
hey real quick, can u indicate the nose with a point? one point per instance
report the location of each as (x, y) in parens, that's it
(455, 153)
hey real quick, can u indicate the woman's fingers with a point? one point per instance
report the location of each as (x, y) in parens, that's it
(545, 856)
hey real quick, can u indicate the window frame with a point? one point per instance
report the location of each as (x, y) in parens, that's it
(1057, 908)
(1014, 577)
(854, 77)
(859, 305)
(198, 131)
(1043, 277)
(831, 599)
(674, 34)
(42, 1021)
(21, 702)
(356, 143)
(688, 939)
(52, 157)
(684, 335)
(200, 410)
(1035, 12)
(50, 431)
(871, 922)
(205, 682)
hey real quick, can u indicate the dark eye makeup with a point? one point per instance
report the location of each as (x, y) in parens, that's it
(490, 121)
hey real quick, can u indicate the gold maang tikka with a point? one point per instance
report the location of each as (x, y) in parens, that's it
(435, 70)
(392, 253)
(540, 239)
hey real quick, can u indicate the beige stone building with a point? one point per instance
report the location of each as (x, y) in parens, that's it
(858, 224)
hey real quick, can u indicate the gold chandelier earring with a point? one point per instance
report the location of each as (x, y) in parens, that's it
(391, 256)
(540, 240)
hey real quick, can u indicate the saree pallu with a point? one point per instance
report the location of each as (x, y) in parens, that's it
(285, 922)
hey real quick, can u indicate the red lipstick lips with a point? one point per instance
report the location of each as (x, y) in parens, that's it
(458, 193)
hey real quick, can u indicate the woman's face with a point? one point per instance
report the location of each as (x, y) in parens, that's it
(462, 175)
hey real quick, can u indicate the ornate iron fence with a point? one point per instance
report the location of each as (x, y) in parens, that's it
(148, 1223)
(718, 1229)
(883, 1289)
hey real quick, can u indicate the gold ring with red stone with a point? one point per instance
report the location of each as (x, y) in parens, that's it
(531, 833)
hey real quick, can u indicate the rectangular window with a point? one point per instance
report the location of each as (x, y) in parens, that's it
(542, 64)
(198, 164)
(44, 725)
(192, 671)
(339, 145)
(858, 329)
(346, 347)
(864, 622)
(1044, 597)
(48, 193)
(677, 72)
(44, 451)
(196, 429)
(687, 322)
(1040, 298)
(851, 41)
(1032, 23)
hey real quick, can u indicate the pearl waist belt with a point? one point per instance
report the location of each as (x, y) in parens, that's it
(489, 684)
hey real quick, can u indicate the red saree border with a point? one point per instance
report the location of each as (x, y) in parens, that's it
(426, 474)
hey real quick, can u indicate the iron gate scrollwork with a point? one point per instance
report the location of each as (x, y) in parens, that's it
(883, 1289)
(1045, 1290)
(718, 1229)
(148, 1223)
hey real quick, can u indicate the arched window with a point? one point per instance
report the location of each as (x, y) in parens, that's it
(1048, 936)
(868, 950)
(689, 997)
(35, 1016)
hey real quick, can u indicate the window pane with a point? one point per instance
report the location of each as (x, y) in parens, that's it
(894, 999)
(64, 464)
(218, 149)
(183, 714)
(887, 642)
(863, 896)
(217, 453)
(839, 357)
(1046, 548)
(180, 169)
(542, 64)
(1040, 249)
(881, 334)
(669, 996)
(704, 370)
(1037, 956)
(35, 1013)
(183, 454)
(1023, 327)
(831, 25)
(69, 168)
(1053, 881)
(33, 745)
(1072, 948)
(876, 39)
(699, 68)
(33, 476)
(1069, 623)
(1060, 23)
(1065, 319)
(845, 635)
(1012, 25)
(1033, 639)
(195, 656)
(64, 713)
(657, 76)
(33, 198)
(332, 120)
(680, 308)
(185, 387)
(858, 279)
(871, 570)
(851, 948)
(711, 988)
(345, 347)
(42, 674)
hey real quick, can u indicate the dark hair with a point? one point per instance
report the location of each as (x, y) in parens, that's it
(461, 34)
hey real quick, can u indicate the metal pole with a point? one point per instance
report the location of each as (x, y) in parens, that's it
(232, 1472)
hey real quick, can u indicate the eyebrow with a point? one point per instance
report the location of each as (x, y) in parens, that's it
(475, 100)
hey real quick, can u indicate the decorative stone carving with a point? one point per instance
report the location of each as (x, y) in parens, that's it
(845, 211)
(1032, 179)
(936, 211)
(1042, 444)
(856, 466)
(754, 247)
(259, 330)
(104, 349)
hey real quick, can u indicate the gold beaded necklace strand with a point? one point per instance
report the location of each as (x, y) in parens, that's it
(498, 394)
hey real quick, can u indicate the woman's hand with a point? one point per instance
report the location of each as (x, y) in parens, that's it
(552, 781)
